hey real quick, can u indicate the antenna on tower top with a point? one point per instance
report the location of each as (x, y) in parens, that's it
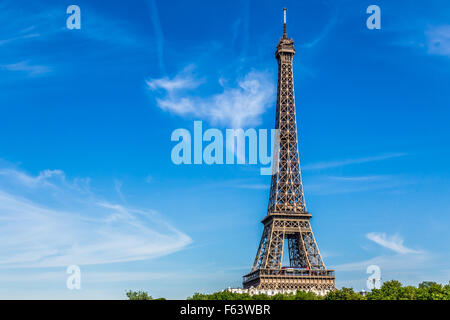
(284, 26)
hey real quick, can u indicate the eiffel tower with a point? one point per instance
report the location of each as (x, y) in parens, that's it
(287, 219)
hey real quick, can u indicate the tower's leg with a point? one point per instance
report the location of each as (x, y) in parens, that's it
(274, 253)
(297, 256)
(312, 251)
(261, 249)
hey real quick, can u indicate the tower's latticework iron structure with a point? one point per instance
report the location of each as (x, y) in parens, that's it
(287, 219)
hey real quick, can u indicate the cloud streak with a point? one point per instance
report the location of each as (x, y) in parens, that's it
(21, 37)
(159, 36)
(332, 22)
(394, 243)
(346, 162)
(46, 26)
(387, 263)
(48, 221)
(27, 68)
(329, 185)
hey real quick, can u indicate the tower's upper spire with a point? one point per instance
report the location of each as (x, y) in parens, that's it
(285, 45)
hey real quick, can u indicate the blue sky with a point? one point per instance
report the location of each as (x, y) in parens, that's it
(86, 176)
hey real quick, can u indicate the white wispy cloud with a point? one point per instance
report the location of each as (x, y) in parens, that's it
(331, 184)
(118, 187)
(27, 68)
(17, 25)
(159, 36)
(406, 265)
(373, 178)
(42, 179)
(394, 243)
(236, 107)
(19, 37)
(48, 25)
(47, 221)
(387, 263)
(36, 275)
(328, 27)
(438, 40)
(98, 27)
(326, 185)
(185, 80)
(430, 39)
(345, 162)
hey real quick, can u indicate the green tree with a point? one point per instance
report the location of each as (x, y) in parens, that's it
(282, 296)
(408, 293)
(446, 291)
(429, 290)
(344, 294)
(260, 296)
(426, 284)
(226, 295)
(390, 290)
(222, 295)
(304, 295)
(138, 295)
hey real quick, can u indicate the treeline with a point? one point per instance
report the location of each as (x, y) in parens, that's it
(390, 290)
(140, 295)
